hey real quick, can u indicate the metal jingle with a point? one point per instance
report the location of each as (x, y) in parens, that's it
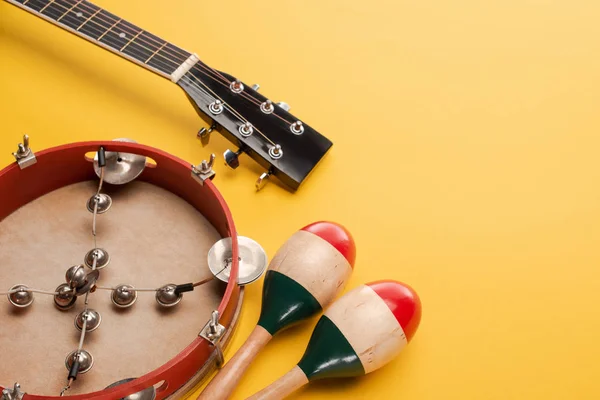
(124, 296)
(252, 260)
(101, 255)
(146, 394)
(121, 168)
(167, 297)
(93, 317)
(75, 276)
(65, 299)
(90, 283)
(86, 361)
(21, 299)
(104, 203)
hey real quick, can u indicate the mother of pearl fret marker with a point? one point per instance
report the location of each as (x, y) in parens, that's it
(285, 146)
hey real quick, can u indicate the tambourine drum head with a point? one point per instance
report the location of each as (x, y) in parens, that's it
(154, 238)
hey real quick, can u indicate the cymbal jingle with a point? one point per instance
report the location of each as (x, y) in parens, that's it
(252, 260)
(121, 168)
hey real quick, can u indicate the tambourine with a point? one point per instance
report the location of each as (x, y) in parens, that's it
(103, 249)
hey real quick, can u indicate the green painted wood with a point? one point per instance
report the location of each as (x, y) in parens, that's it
(285, 302)
(329, 354)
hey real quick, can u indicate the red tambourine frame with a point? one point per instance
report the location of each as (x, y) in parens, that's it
(65, 165)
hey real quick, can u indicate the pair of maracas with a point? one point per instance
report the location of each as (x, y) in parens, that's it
(359, 333)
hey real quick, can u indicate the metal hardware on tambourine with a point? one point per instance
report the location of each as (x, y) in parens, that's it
(22, 298)
(85, 359)
(124, 296)
(13, 394)
(100, 202)
(75, 276)
(90, 283)
(100, 256)
(65, 298)
(24, 155)
(167, 296)
(204, 170)
(213, 331)
(121, 168)
(146, 394)
(252, 260)
(92, 318)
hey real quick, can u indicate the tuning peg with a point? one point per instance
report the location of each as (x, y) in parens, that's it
(204, 134)
(255, 87)
(262, 180)
(231, 158)
(284, 105)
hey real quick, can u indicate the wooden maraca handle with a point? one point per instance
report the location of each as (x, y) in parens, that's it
(283, 387)
(224, 383)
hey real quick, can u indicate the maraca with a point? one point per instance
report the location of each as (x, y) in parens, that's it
(361, 332)
(304, 277)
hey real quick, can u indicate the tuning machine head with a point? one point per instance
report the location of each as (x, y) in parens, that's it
(232, 158)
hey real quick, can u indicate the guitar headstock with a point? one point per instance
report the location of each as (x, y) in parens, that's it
(283, 144)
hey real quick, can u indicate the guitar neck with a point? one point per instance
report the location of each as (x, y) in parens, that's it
(115, 34)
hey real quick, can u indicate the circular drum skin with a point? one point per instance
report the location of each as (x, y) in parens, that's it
(66, 165)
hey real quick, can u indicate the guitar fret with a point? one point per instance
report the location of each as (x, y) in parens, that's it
(155, 52)
(89, 18)
(69, 10)
(108, 30)
(131, 40)
(46, 6)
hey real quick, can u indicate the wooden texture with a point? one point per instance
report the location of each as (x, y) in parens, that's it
(368, 324)
(283, 387)
(315, 264)
(465, 163)
(226, 380)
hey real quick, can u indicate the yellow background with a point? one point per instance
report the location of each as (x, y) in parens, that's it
(466, 163)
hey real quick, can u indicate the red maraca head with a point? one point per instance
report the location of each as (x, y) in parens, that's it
(337, 236)
(362, 331)
(402, 301)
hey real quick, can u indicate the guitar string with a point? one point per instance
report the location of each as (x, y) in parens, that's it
(89, 7)
(231, 109)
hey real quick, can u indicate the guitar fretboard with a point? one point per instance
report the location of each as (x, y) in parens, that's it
(109, 31)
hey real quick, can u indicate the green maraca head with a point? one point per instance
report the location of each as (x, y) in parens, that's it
(306, 274)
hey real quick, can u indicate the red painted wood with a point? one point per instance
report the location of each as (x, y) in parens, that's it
(65, 165)
(404, 303)
(337, 236)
